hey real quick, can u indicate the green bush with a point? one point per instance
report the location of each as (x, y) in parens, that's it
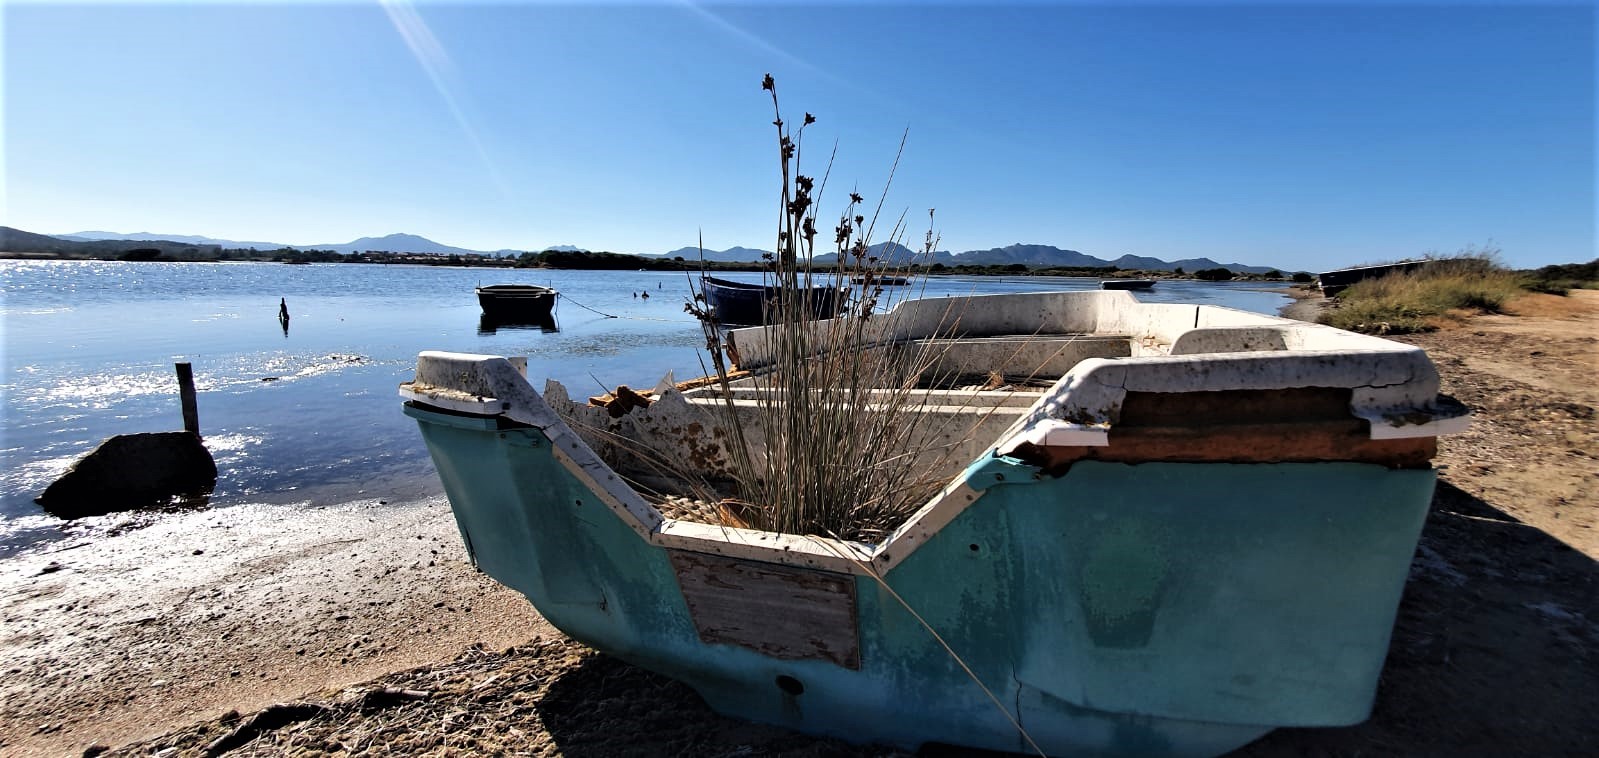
(1560, 287)
(1561, 278)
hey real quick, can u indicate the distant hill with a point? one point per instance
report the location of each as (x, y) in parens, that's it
(185, 238)
(891, 254)
(19, 241)
(1196, 264)
(1139, 262)
(897, 255)
(393, 243)
(1030, 255)
(1039, 256)
(1033, 256)
(730, 255)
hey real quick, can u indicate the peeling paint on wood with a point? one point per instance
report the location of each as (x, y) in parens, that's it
(780, 611)
(1311, 424)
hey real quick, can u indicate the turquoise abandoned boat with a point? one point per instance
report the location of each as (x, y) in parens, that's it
(1192, 526)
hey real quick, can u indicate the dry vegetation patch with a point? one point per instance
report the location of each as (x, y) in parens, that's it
(1440, 294)
(1544, 305)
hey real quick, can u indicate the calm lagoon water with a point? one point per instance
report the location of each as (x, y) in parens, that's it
(312, 416)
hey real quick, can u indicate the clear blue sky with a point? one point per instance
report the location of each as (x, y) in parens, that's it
(1300, 136)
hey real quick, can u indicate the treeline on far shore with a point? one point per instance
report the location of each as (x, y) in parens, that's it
(125, 250)
(15, 243)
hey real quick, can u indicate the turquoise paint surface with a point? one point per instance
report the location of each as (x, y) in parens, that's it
(1156, 609)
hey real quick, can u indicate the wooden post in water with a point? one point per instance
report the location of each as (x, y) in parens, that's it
(191, 410)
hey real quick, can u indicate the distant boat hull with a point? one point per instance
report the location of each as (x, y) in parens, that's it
(1127, 284)
(751, 304)
(1334, 282)
(886, 281)
(516, 303)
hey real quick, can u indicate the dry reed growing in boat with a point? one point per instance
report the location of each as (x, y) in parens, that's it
(842, 448)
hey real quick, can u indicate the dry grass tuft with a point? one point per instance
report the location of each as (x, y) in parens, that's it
(1441, 294)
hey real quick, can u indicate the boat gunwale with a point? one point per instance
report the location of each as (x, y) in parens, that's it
(1379, 373)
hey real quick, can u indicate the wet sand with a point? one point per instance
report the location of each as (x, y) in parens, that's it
(114, 639)
(136, 640)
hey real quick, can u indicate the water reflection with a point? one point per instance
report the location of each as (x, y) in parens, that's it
(88, 346)
(487, 324)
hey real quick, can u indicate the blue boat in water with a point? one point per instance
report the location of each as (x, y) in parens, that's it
(743, 303)
(1174, 529)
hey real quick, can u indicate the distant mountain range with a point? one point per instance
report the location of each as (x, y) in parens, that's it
(392, 243)
(891, 254)
(1032, 256)
(148, 237)
(730, 255)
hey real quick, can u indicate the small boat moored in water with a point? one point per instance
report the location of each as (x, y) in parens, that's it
(1127, 284)
(1191, 527)
(743, 303)
(886, 280)
(517, 303)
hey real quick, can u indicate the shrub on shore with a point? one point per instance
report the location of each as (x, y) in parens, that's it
(1426, 298)
(1561, 278)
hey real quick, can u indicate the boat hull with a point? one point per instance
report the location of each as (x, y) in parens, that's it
(507, 304)
(1127, 284)
(742, 303)
(882, 281)
(1200, 532)
(1334, 282)
(1257, 596)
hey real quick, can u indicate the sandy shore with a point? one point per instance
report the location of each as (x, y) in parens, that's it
(138, 640)
(116, 639)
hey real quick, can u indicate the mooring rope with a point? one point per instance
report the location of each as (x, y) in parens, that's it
(565, 296)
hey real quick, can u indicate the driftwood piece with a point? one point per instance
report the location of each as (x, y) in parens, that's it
(275, 716)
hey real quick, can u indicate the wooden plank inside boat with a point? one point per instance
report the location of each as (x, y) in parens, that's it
(779, 611)
(1304, 424)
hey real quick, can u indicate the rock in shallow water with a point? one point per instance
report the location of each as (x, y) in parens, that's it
(132, 471)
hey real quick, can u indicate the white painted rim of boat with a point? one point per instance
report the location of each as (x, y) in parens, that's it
(1394, 387)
